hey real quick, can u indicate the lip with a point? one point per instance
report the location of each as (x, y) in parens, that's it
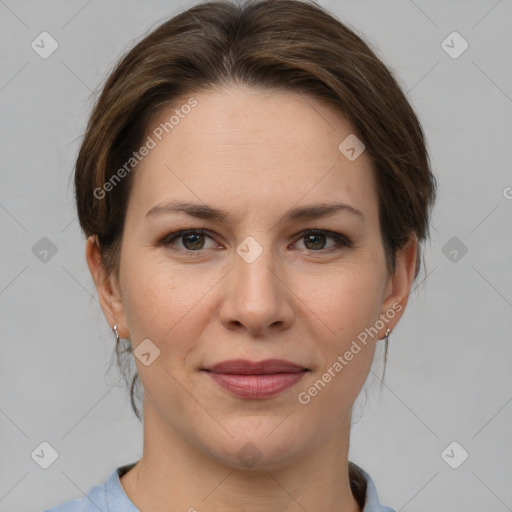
(262, 379)
(245, 367)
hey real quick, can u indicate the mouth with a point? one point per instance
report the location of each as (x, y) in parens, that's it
(256, 380)
(266, 367)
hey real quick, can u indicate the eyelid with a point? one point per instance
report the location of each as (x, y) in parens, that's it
(341, 240)
(176, 235)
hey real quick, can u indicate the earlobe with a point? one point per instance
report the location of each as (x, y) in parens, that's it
(399, 284)
(108, 291)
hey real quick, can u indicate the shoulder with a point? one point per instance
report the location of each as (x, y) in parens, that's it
(96, 499)
(371, 497)
(107, 497)
(110, 496)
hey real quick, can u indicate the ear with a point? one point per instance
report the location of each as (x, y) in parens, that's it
(108, 288)
(398, 286)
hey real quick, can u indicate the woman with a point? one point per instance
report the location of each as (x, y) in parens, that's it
(255, 189)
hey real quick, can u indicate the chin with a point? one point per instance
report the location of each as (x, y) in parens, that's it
(266, 444)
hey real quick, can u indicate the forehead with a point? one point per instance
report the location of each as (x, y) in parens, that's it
(251, 148)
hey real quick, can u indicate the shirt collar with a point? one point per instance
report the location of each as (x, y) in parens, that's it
(117, 499)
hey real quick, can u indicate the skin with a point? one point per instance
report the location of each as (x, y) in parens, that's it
(255, 154)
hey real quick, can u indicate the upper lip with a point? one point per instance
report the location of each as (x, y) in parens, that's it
(245, 367)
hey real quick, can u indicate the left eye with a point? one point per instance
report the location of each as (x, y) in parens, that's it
(192, 240)
(315, 237)
(314, 240)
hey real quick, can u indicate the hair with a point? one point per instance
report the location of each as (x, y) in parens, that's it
(283, 45)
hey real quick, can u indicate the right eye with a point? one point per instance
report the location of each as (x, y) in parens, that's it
(192, 240)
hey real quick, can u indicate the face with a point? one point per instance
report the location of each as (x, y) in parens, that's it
(279, 273)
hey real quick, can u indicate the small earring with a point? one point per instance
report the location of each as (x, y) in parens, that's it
(386, 336)
(116, 333)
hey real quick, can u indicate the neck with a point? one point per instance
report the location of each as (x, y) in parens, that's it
(174, 475)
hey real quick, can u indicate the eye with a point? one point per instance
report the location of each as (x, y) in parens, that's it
(314, 240)
(192, 240)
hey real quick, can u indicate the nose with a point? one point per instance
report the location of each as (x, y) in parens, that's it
(256, 296)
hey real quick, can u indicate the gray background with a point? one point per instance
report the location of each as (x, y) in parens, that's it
(448, 376)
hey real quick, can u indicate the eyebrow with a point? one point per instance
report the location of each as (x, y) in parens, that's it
(202, 211)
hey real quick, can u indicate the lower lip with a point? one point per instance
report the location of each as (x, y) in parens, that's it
(256, 386)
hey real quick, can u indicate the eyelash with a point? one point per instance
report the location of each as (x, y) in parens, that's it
(341, 241)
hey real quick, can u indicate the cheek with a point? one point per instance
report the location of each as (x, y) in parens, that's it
(346, 301)
(166, 304)
(159, 294)
(348, 305)
(161, 304)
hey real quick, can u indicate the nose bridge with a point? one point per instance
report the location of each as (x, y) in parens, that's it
(256, 296)
(255, 268)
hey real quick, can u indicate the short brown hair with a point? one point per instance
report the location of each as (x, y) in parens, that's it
(291, 45)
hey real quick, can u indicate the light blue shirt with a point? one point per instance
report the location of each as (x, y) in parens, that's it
(110, 497)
